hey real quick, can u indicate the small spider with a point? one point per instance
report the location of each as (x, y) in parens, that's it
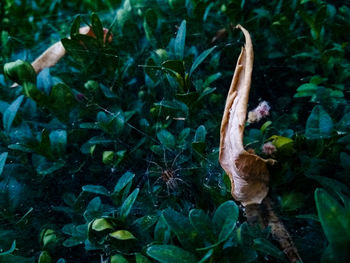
(168, 174)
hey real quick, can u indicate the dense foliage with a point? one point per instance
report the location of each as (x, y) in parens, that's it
(112, 154)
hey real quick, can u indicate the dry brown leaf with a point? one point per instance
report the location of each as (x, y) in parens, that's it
(53, 54)
(247, 171)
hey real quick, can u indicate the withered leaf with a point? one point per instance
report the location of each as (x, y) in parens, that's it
(247, 171)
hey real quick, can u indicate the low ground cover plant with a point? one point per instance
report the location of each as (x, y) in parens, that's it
(111, 154)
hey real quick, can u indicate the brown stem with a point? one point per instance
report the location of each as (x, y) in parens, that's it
(280, 233)
(264, 216)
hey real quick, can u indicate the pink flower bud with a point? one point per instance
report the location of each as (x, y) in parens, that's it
(268, 148)
(259, 112)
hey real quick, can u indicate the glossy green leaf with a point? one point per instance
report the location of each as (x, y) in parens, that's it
(207, 256)
(200, 59)
(122, 235)
(180, 225)
(128, 203)
(75, 26)
(267, 248)
(123, 181)
(335, 222)
(179, 44)
(45, 257)
(11, 249)
(162, 230)
(174, 67)
(3, 157)
(141, 259)
(200, 134)
(319, 124)
(118, 259)
(202, 224)
(225, 219)
(58, 141)
(97, 27)
(166, 138)
(170, 254)
(95, 189)
(10, 113)
(101, 224)
(20, 71)
(107, 157)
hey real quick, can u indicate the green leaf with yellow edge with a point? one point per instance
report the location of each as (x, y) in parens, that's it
(122, 235)
(283, 144)
(101, 224)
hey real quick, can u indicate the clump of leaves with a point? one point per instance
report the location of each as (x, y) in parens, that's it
(85, 144)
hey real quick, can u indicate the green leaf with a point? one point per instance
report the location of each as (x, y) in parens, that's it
(335, 222)
(3, 157)
(95, 189)
(267, 248)
(181, 226)
(200, 135)
(179, 44)
(97, 27)
(45, 257)
(61, 101)
(306, 90)
(170, 254)
(47, 237)
(202, 224)
(200, 59)
(207, 256)
(101, 224)
(162, 230)
(122, 235)
(128, 203)
(58, 141)
(265, 126)
(166, 139)
(10, 113)
(150, 23)
(75, 26)
(174, 66)
(319, 124)
(292, 201)
(118, 259)
(141, 258)
(20, 71)
(123, 181)
(344, 161)
(107, 157)
(11, 249)
(225, 219)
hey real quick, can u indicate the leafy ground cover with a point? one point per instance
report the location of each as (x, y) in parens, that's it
(112, 154)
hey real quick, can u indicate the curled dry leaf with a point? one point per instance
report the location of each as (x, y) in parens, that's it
(247, 171)
(53, 54)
